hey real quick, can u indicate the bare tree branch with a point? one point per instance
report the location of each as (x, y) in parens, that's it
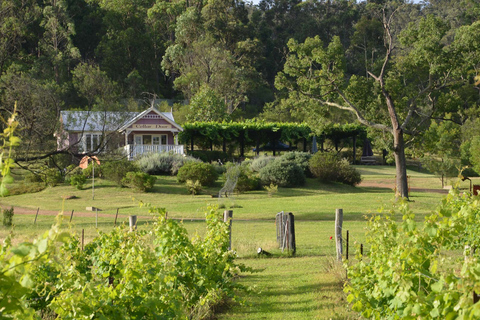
(350, 107)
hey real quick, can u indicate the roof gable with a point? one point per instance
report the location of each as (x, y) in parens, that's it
(152, 113)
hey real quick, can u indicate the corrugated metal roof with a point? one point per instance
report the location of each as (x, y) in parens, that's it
(98, 120)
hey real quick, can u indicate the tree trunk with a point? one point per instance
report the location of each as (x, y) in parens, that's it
(400, 163)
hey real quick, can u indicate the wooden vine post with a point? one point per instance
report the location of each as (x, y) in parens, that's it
(35, 222)
(346, 245)
(227, 216)
(338, 232)
(291, 233)
(132, 221)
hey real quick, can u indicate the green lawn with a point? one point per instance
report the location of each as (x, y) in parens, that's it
(308, 286)
(314, 201)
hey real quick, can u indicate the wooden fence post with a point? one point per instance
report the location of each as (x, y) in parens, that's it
(291, 233)
(227, 216)
(132, 221)
(346, 245)
(35, 222)
(71, 216)
(338, 232)
(279, 225)
(116, 218)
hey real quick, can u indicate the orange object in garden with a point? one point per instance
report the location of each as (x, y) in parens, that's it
(476, 189)
(84, 162)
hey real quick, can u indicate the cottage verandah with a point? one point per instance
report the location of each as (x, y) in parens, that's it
(150, 131)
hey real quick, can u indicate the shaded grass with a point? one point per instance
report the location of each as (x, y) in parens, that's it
(417, 179)
(291, 288)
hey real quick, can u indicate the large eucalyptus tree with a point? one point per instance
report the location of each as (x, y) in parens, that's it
(402, 91)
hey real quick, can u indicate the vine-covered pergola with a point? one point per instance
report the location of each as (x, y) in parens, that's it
(257, 133)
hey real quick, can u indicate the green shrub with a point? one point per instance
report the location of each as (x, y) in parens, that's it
(8, 217)
(300, 158)
(209, 156)
(282, 173)
(33, 177)
(193, 187)
(60, 160)
(117, 170)
(221, 169)
(328, 167)
(139, 181)
(203, 172)
(347, 154)
(88, 171)
(348, 174)
(258, 163)
(77, 181)
(26, 188)
(247, 180)
(52, 177)
(73, 170)
(271, 189)
(324, 166)
(164, 163)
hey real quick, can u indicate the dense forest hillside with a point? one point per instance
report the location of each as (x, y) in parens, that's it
(282, 60)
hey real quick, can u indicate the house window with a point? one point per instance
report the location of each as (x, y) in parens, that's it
(90, 142)
(138, 139)
(148, 139)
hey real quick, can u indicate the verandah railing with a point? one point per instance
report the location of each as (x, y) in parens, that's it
(136, 150)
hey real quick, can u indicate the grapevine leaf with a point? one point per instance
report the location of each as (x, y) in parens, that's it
(3, 190)
(8, 179)
(42, 245)
(437, 286)
(434, 313)
(22, 250)
(27, 281)
(350, 298)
